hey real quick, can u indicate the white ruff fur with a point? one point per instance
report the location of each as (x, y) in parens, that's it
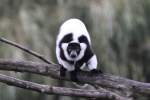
(81, 54)
(65, 64)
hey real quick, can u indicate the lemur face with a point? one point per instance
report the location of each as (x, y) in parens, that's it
(73, 50)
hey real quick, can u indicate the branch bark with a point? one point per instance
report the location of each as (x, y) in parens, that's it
(47, 89)
(25, 50)
(37, 55)
(104, 80)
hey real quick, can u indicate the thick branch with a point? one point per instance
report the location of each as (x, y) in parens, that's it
(58, 90)
(104, 80)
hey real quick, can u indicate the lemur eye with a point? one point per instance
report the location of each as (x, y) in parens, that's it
(69, 49)
(78, 50)
(83, 39)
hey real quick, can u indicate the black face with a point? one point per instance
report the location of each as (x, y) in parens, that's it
(73, 49)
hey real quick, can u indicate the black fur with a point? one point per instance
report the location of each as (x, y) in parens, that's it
(74, 73)
(83, 39)
(66, 39)
(62, 71)
(88, 54)
(73, 47)
(62, 56)
(85, 59)
(96, 71)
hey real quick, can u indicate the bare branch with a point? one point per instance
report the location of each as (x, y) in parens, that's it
(104, 80)
(58, 90)
(41, 57)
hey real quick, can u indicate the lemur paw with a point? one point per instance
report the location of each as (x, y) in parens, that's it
(62, 71)
(96, 71)
(74, 76)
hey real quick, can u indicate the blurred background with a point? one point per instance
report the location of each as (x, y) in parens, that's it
(119, 30)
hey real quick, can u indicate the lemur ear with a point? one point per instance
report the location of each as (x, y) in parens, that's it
(64, 46)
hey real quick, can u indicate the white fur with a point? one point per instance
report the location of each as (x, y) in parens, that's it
(74, 26)
(81, 54)
(66, 65)
(92, 63)
(77, 28)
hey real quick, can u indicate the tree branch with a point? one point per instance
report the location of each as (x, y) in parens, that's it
(123, 85)
(58, 90)
(41, 57)
(104, 80)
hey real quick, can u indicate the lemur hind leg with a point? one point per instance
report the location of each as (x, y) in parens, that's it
(74, 73)
(62, 71)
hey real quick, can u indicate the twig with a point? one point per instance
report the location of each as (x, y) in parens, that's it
(58, 90)
(25, 50)
(103, 80)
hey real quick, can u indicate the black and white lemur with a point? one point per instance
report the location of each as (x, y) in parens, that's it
(73, 49)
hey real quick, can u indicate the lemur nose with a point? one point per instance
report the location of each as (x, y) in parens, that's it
(73, 54)
(74, 44)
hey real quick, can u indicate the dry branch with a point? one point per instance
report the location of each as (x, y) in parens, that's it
(37, 55)
(123, 85)
(47, 89)
(104, 80)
